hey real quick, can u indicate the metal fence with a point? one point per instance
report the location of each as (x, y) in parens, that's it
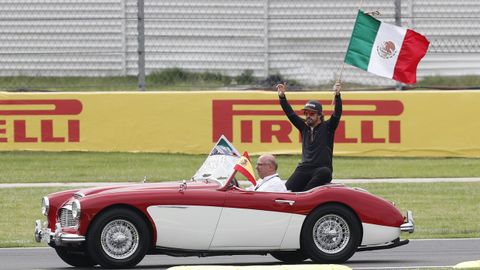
(215, 42)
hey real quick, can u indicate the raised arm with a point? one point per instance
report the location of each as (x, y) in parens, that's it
(296, 120)
(337, 113)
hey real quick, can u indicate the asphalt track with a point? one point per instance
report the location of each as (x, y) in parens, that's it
(417, 254)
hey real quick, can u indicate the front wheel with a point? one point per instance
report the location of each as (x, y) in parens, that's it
(118, 238)
(289, 256)
(331, 234)
(74, 257)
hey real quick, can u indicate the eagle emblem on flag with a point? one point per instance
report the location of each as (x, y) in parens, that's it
(387, 49)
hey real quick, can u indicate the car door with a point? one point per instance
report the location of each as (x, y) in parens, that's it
(253, 220)
(187, 219)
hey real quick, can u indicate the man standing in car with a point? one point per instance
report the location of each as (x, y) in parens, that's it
(315, 168)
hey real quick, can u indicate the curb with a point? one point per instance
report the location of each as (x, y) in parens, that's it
(265, 267)
(468, 265)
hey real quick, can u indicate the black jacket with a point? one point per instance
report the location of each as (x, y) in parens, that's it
(317, 144)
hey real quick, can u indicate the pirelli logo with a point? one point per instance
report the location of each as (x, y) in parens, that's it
(369, 117)
(34, 121)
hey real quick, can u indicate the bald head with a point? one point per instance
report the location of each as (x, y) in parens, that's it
(266, 165)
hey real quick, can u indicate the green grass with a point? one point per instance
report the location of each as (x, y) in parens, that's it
(85, 84)
(31, 167)
(169, 79)
(20, 209)
(176, 79)
(450, 81)
(28, 83)
(361, 167)
(19, 167)
(440, 209)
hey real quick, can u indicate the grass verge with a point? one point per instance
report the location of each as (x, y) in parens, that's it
(441, 210)
(169, 79)
(32, 167)
(177, 79)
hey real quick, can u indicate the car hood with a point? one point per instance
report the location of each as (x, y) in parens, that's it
(140, 187)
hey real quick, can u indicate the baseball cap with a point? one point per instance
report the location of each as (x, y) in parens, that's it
(313, 105)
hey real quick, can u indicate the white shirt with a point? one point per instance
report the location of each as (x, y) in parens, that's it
(271, 183)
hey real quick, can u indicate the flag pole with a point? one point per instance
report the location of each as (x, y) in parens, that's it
(360, 4)
(339, 77)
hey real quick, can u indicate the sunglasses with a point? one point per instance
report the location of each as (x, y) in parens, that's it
(309, 113)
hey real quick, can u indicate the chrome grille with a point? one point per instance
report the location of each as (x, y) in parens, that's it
(66, 218)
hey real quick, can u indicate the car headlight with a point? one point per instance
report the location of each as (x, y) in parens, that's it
(76, 209)
(45, 206)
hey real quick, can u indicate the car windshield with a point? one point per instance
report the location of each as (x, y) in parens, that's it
(216, 168)
(219, 164)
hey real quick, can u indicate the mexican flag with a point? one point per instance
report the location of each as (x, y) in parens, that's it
(385, 49)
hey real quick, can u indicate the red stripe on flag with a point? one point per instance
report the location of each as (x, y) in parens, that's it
(246, 173)
(413, 49)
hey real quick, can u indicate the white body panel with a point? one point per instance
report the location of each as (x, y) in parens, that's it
(183, 226)
(378, 234)
(217, 228)
(292, 236)
(243, 229)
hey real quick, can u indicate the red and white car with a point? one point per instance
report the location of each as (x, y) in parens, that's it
(117, 226)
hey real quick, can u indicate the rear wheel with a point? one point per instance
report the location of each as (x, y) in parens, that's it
(331, 234)
(118, 238)
(74, 257)
(289, 256)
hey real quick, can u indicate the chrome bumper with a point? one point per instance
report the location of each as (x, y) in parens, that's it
(45, 234)
(408, 226)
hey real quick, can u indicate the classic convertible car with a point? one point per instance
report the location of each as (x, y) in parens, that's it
(210, 214)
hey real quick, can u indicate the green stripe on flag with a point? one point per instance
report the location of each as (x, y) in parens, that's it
(361, 42)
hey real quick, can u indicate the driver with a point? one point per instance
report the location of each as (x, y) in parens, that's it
(267, 171)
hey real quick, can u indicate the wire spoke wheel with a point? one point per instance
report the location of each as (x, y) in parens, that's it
(331, 234)
(119, 239)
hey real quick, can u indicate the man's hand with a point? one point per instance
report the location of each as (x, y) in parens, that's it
(337, 87)
(281, 88)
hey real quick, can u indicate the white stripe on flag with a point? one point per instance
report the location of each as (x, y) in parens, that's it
(384, 66)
